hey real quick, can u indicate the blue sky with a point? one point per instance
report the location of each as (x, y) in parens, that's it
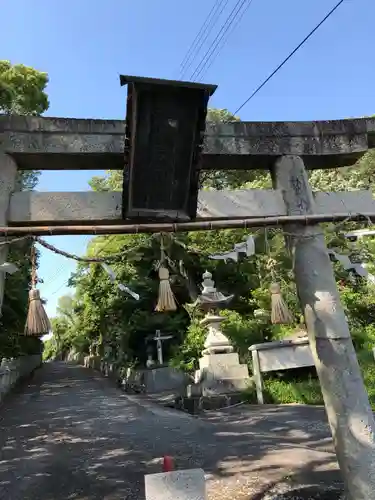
(84, 45)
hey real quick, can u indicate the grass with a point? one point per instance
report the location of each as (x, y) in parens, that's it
(367, 362)
(302, 386)
(293, 391)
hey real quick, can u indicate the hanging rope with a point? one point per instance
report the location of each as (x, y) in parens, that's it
(166, 299)
(280, 314)
(37, 322)
(68, 255)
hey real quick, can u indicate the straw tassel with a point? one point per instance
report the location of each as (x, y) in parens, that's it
(37, 322)
(280, 314)
(166, 300)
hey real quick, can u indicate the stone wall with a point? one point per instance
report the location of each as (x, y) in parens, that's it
(13, 370)
(93, 362)
(149, 380)
(75, 357)
(158, 379)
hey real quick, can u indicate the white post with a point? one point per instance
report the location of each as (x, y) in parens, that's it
(8, 173)
(345, 397)
(257, 376)
(160, 351)
(159, 347)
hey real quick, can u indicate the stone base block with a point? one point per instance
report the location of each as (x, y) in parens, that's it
(219, 360)
(157, 379)
(224, 386)
(196, 404)
(222, 374)
(225, 372)
(193, 390)
(176, 485)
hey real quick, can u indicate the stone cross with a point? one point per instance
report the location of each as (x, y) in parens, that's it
(159, 347)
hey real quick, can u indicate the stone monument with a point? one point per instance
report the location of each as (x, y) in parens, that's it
(220, 371)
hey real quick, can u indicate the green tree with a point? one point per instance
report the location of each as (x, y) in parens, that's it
(221, 115)
(22, 89)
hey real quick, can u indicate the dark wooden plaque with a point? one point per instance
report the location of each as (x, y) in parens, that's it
(165, 123)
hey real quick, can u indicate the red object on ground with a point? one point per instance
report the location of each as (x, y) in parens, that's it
(167, 464)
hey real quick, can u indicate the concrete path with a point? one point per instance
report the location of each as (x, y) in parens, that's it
(71, 435)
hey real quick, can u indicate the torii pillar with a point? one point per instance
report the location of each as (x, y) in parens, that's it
(345, 396)
(8, 174)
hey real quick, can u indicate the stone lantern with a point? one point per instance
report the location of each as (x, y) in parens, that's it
(211, 301)
(220, 371)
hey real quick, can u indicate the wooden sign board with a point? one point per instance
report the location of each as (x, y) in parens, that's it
(165, 122)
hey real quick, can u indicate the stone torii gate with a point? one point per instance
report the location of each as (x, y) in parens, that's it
(286, 149)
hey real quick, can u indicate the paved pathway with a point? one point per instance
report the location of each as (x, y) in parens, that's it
(71, 435)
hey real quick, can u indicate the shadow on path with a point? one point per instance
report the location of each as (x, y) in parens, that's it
(71, 435)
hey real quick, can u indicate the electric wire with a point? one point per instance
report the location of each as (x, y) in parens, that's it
(223, 30)
(196, 39)
(289, 56)
(221, 46)
(99, 251)
(220, 6)
(62, 267)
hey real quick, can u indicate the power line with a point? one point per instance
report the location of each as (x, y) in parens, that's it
(224, 28)
(289, 56)
(197, 37)
(62, 267)
(206, 56)
(100, 250)
(220, 47)
(222, 4)
(207, 24)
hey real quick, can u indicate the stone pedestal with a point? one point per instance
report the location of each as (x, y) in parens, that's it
(222, 374)
(220, 371)
(216, 342)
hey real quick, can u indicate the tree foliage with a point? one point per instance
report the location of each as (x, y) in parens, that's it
(22, 89)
